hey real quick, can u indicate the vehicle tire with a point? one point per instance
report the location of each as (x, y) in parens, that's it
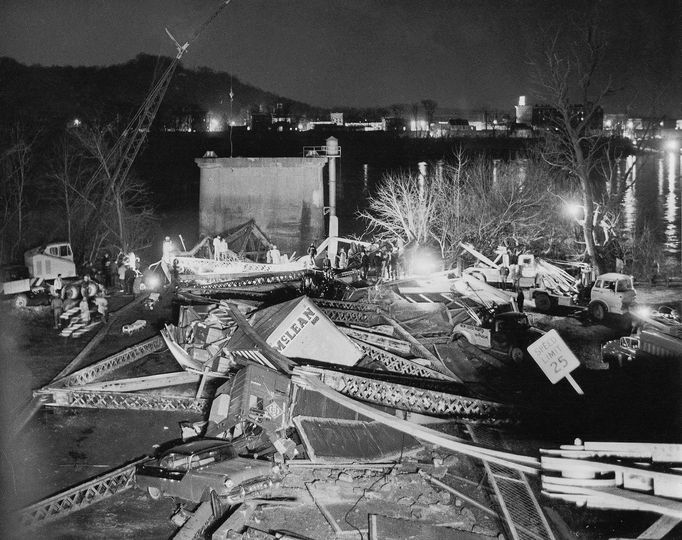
(479, 275)
(154, 493)
(598, 311)
(20, 301)
(543, 302)
(92, 289)
(516, 354)
(72, 292)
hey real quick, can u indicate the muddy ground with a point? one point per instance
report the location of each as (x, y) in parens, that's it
(59, 448)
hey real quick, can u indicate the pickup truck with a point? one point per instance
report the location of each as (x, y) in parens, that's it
(508, 334)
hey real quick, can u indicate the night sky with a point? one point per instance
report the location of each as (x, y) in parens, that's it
(460, 53)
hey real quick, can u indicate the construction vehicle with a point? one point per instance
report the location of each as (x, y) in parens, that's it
(548, 286)
(42, 265)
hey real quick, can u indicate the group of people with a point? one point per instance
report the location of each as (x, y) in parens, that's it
(385, 262)
(117, 273)
(90, 293)
(273, 255)
(219, 248)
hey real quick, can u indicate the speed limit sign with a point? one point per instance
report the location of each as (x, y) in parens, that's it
(555, 359)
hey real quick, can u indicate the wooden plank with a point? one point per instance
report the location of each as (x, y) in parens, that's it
(325, 512)
(197, 523)
(459, 494)
(642, 478)
(660, 528)
(390, 528)
(142, 383)
(235, 522)
(283, 363)
(396, 346)
(616, 498)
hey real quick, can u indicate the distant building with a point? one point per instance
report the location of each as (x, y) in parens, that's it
(337, 118)
(549, 117)
(394, 124)
(524, 113)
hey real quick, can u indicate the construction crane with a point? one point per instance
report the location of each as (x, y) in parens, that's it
(119, 161)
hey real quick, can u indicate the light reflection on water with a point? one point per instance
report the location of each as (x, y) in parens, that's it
(654, 199)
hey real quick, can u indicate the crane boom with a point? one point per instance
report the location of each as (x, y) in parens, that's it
(130, 142)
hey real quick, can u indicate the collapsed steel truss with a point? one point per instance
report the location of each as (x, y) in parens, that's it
(341, 304)
(250, 281)
(111, 363)
(78, 497)
(420, 400)
(399, 364)
(352, 316)
(70, 391)
(93, 399)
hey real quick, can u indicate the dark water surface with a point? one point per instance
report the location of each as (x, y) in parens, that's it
(167, 165)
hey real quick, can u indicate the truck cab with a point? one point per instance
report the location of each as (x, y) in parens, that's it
(49, 261)
(611, 293)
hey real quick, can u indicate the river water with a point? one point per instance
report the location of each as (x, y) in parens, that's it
(653, 200)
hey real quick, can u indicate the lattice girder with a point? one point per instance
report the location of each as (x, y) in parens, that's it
(64, 397)
(98, 370)
(419, 400)
(78, 497)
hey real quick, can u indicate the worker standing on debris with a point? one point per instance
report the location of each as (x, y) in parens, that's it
(121, 275)
(223, 249)
(104, 263)
(364, 263)
(84, 307)
(58, 285)
(216, 247)
(268, 254)
(129, 280)
(113, 273)
(312, 253)
(276, 255)
(102, 306)
(520, 298)
(343, 259)
(57, 306)
(85, 287)
(167, 250)
(394, 262)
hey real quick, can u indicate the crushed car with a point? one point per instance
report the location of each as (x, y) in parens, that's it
(192, 469)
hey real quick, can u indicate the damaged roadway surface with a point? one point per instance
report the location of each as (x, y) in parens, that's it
(59, 448)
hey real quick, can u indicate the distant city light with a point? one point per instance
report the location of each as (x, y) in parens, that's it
(672, 145)
(214, 124)
(76, 122)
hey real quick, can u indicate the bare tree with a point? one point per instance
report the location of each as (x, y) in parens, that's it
(566, 79)
(98, 212)
(16, 164)
(465, 203)
(400, 209)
